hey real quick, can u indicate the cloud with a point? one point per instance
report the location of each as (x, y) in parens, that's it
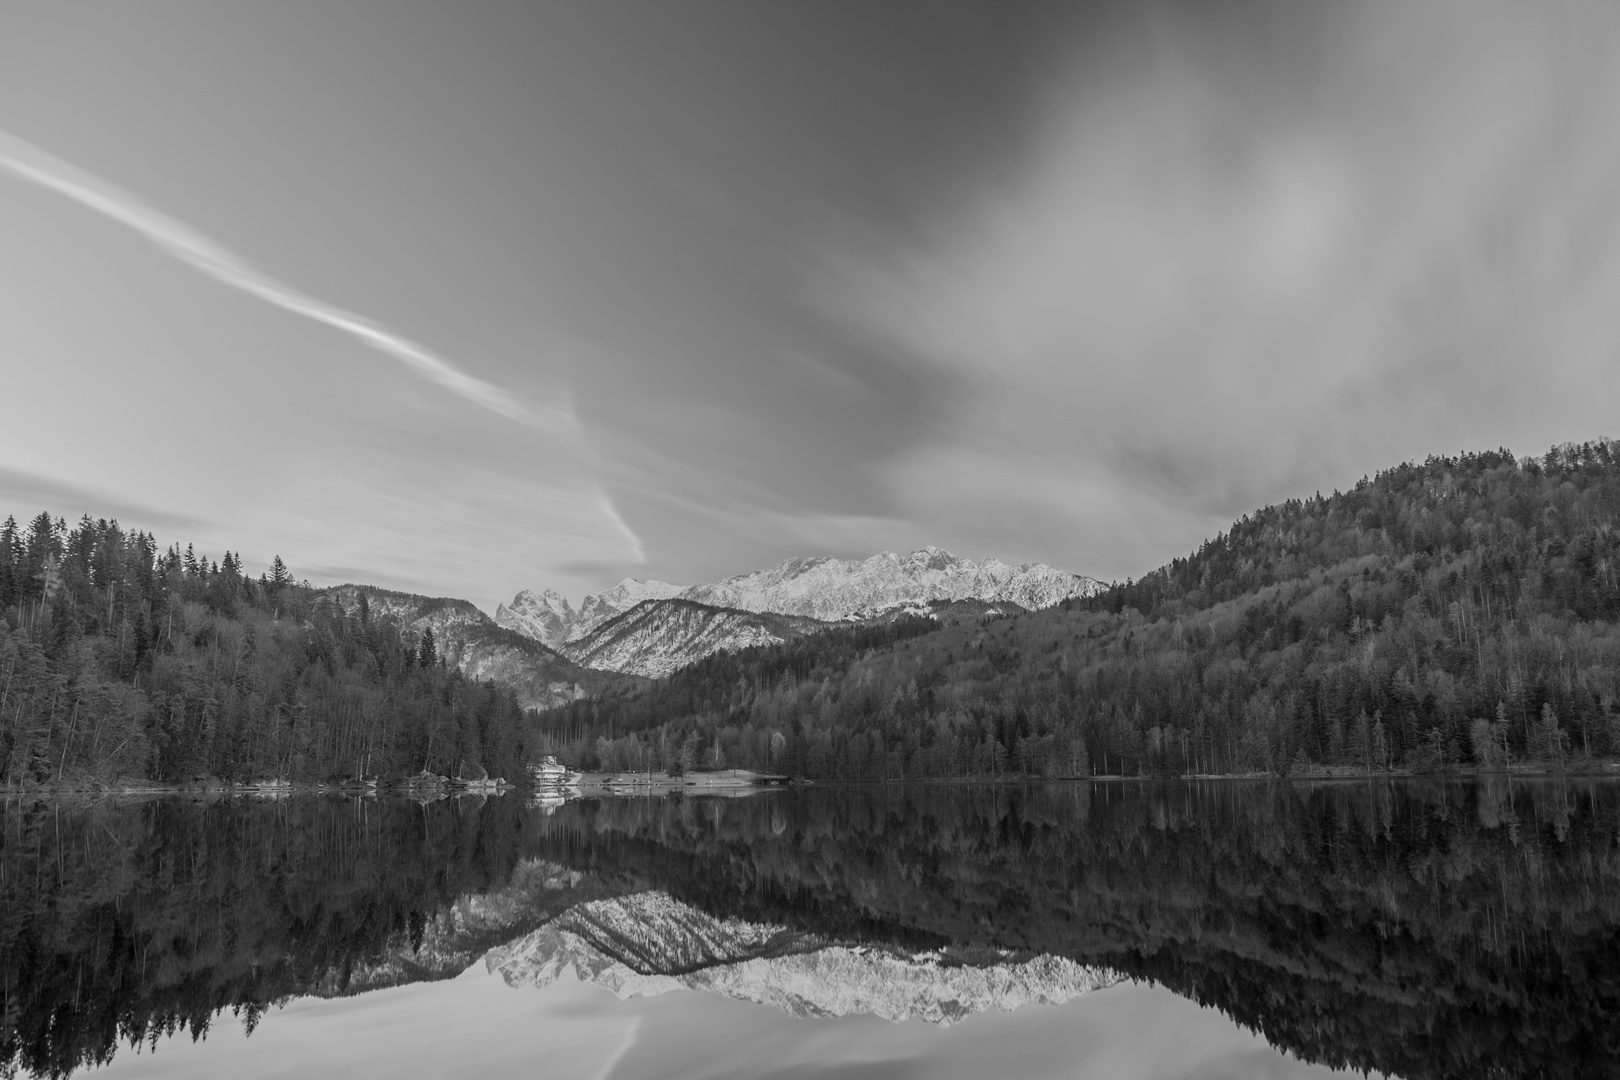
(1246, 259)
(29, 493)
(28, 162)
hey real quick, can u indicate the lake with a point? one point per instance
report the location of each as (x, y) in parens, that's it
(1151, 930)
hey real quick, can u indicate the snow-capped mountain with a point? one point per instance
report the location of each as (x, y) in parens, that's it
(649, 943)
(662, 637)
(841, 589)
(657, 637)
(548, 618)
(470, 640)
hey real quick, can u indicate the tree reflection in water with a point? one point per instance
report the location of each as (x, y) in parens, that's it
(1422, 929)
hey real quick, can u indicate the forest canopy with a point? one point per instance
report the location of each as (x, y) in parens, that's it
(121, 660)
(1465, 610)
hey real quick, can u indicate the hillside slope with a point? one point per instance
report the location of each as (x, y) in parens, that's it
(469, 641)
(551, 620)
(1462, 610)
(657, 637)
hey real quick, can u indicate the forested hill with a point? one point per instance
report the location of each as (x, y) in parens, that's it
(1465, 610)
(120, 660)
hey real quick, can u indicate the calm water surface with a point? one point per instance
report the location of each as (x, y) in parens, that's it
(1120, 930)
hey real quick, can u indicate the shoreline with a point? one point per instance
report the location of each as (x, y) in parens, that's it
(739, 781)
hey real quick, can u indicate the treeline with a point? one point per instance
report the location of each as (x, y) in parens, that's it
(120, 660)
(610, 729)
(1461, 611)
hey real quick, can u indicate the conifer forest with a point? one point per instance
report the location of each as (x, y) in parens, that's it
(1462, 612)
(124, 661)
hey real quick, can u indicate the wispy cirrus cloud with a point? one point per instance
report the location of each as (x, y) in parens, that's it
(28, 162)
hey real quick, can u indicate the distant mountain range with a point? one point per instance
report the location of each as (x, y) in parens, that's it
(548, 618)
(653, 628)
(551, 653)
(470, 640)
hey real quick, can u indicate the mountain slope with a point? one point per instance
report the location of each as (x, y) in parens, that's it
(824, 590)
(548, 618)
(657, 637)
(469, 640)
(1464, 610)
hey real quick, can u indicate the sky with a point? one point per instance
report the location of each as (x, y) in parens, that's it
(469, 298)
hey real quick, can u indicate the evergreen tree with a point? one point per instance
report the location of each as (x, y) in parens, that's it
(11, 558)
(1406, 607)
(280, 576)
(117, 662)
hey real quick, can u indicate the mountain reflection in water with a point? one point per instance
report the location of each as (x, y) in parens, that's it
(1419, 929)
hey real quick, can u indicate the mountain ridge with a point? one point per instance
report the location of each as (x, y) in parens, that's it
(824, 590)
(836, 590)
(657, 637)
(468, 639)
(1462, 612)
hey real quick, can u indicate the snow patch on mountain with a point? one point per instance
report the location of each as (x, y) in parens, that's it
(826, 590)
(548, 618)
(599, 608)
(658, 637)
(836, 590)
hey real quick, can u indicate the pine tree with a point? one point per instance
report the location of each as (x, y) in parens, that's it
(427, 654)
(11, 556)
(280, 576)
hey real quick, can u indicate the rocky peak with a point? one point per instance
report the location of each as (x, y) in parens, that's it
(819, 588)
(546, 617)
(839, 589)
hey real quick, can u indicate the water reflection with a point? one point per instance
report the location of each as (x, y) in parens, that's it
(1427, 930)
(649, 943)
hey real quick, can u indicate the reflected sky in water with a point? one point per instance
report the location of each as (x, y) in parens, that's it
(477, 1025)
